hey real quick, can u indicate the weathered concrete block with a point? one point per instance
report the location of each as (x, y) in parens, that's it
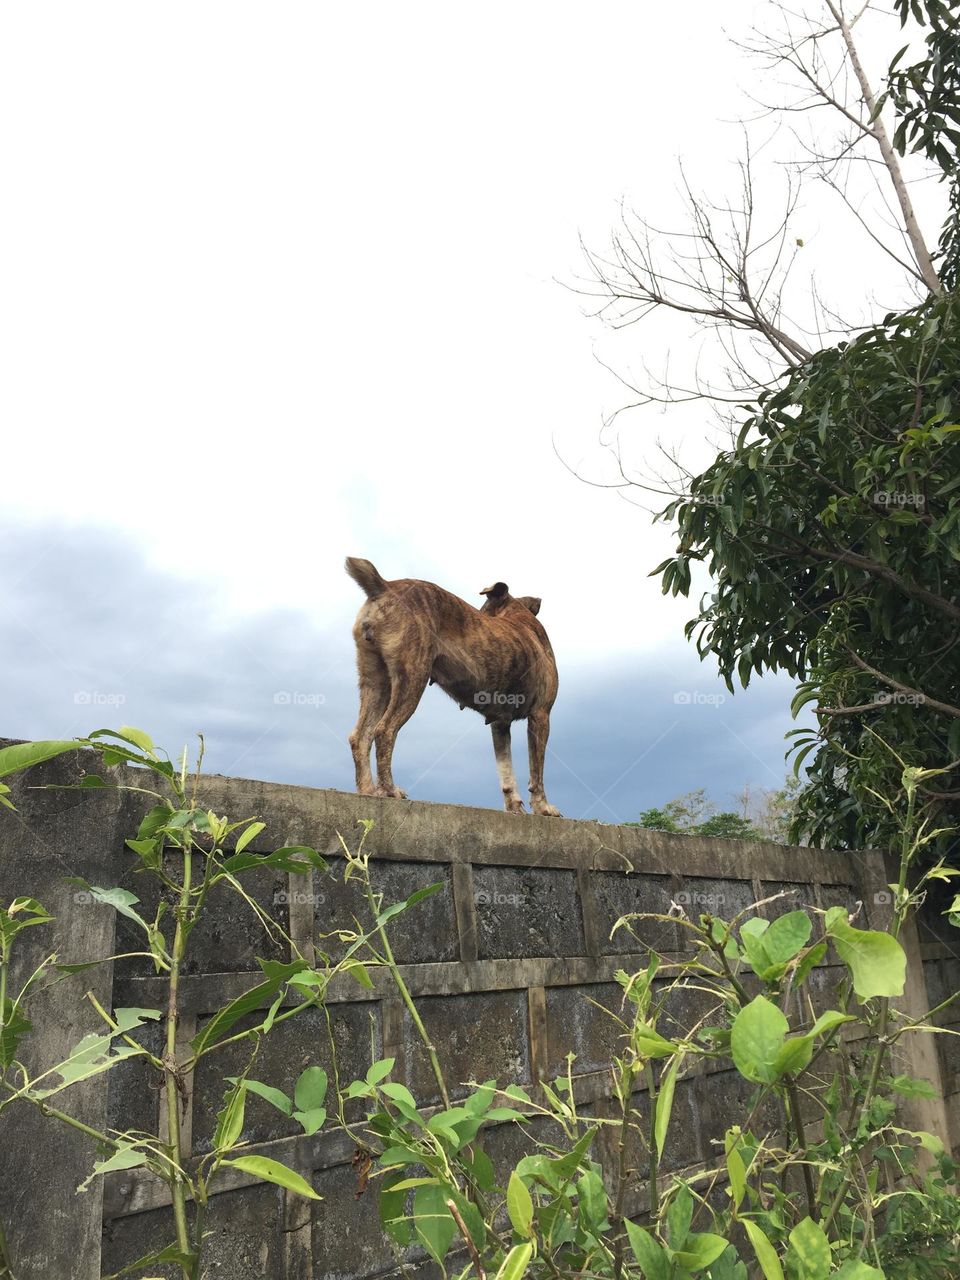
(244, 1240)
(229, 937)
(617, 894)
(724, 898)
(527, 911)
(291, 1046)
(479, 1037)
(425, 932)
(576, 1025)
(800, 897)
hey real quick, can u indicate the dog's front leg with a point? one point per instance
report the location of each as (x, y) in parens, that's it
(538, 730)
(508, 782)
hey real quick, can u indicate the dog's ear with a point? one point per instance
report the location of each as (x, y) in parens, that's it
(496, 592)
(530, 602)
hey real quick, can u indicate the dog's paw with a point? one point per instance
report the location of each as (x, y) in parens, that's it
(544, 810)
(514, 805)
(391, 793)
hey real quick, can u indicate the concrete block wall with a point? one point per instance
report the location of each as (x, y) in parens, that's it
(507, 964)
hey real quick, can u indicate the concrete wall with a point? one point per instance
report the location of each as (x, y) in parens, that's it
(501, 963)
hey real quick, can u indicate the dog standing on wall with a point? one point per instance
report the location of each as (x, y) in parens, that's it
(496, 660)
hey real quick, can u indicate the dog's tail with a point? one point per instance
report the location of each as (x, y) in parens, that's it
(365, 575)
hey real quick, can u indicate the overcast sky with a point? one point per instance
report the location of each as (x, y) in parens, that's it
(284, 283)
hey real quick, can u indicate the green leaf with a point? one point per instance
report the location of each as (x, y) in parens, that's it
(311, 1120)
(592, 1200)
(700, 1250)
(756, 1040)
(310, 1090)
(810, 1251)
(853, 1269)
(766, 1254)
(122, 1158)
(664, 1102)
(393, 1217)
(515, 1263)
(272, 1171)
(276, 1097)
(736, 1172)
(379, 1070)
(249, 834)
(649, 1253)
(519, 1205)
(679, 1217)
(23, 755)
(230, 1120)
(137, 737)
(433, 1221)
(876, 961)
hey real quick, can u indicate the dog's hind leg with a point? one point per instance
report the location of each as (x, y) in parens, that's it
(538, 730)
(508, 782)
(374, 696)
(407, 683)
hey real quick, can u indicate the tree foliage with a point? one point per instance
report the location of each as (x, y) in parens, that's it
(832, 531)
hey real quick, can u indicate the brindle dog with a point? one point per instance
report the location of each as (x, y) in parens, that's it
(496, 660)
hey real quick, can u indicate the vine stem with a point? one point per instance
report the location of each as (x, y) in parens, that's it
(171, 1069)
(405, 995)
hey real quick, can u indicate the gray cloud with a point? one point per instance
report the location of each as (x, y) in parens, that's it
(91, 635)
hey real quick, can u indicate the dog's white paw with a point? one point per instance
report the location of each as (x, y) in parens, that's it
(544, 810)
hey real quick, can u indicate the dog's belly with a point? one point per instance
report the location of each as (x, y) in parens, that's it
(468, 689)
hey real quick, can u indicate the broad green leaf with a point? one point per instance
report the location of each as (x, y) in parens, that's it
(756, 1039)
(515, 1263)
(310, 1090)
(276, 1097)
(810, 1251)
(433, 1221)
(853, 1269)
(393, 1217)
(592, 1200)
(311, 1120)
(679, 1217)
(519, 1205)
(649, 1253)
(137, 737)
(273, 1171)
(876, 961)
(249, 834)
(380, 1070)
(766, 1254)
(700, 1250)
(123, 1158)
(23, 755)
